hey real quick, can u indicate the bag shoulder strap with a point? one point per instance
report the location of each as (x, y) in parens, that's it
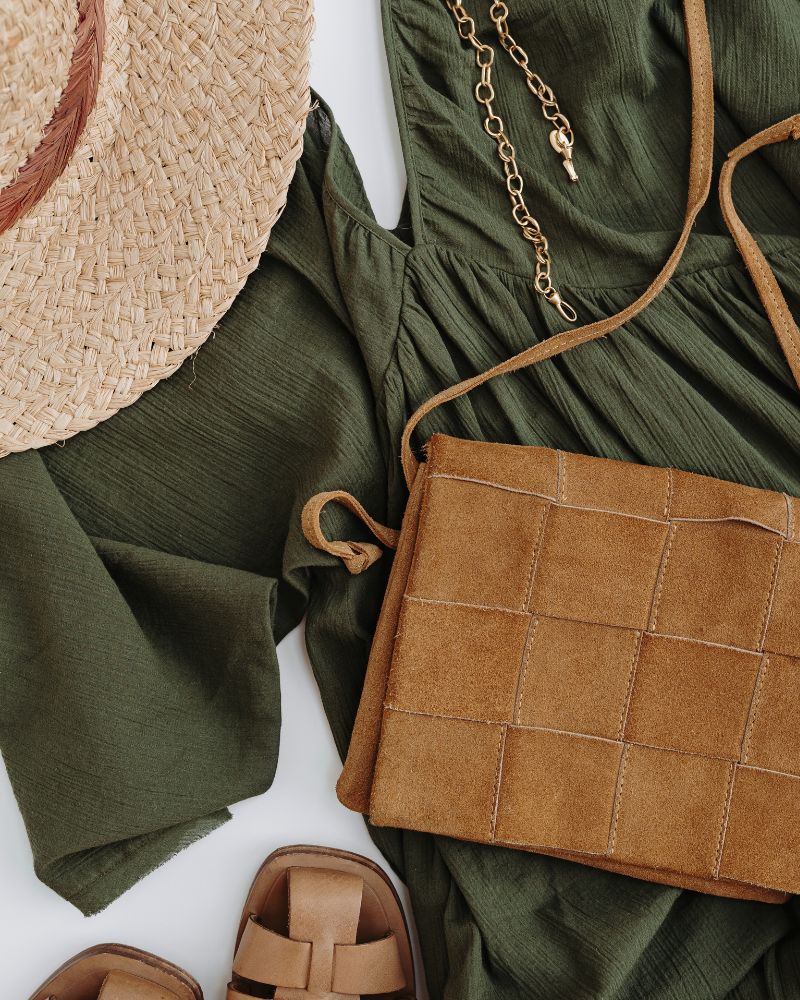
(764, 279)
(700, 172)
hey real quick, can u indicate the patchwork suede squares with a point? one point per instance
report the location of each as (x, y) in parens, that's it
(691, 697)
(762, 840)
(716, 583)
(476, 544)
(557, 790)
(472, 674)
(670, 810)
(598, 567)
(773, 739)
(437, 774)
(563, 688)
(600, 660)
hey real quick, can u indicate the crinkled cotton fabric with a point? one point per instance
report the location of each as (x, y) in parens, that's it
(150, 565)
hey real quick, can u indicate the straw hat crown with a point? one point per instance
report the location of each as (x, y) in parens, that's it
(146, 149)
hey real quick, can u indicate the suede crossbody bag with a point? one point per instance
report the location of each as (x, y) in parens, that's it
(588, 658)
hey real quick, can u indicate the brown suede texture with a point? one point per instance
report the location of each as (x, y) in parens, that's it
(593, 660)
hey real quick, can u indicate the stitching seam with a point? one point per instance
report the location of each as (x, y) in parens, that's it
(773, 586)
(726, 813)
(626, 705)
(789, 517)
(662, 570)
(501, 753)
(537, 551)
(583, 621)
(612, 833)
(489, 482)
(526, 657)
(463, 604)
(752, 714)
(668, 504)
(770, 770)
(560, 476)
(558, 501)
(555, 731)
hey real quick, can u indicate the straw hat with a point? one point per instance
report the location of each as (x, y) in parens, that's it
(146, 147)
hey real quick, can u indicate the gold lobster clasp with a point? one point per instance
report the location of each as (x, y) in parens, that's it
(560, 142)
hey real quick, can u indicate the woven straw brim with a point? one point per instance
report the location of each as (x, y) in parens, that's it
(141, 244)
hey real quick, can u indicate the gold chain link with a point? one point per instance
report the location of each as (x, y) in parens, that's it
(561, 138)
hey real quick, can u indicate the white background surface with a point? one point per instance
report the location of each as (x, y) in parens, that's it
(188, 910)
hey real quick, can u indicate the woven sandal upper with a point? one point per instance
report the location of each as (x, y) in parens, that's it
(320, 957)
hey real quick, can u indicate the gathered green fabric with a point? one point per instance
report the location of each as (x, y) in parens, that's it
(150, 565)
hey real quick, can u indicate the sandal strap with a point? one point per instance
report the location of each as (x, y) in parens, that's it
(320, 957)
(269, 958)
(123, 986)
(371, 968)
(324, 908)
(263, 956)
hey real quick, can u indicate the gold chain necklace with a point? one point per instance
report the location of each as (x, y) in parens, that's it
(562, 138)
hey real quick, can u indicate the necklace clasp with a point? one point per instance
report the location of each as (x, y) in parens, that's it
(561, 144)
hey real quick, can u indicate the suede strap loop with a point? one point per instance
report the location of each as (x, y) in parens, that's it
(357, 556)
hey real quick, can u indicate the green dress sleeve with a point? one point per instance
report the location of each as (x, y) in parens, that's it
(151, 565)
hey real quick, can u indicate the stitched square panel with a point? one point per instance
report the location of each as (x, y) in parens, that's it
(588, 653)
(511, 465)
(557, 790)
(619, 486)
(705, 498)
(716, 582)
(473, 673)
(422, 761)
(575, 677)
(773, 741)
(476, 544)
(783, 632)
(598, 567)
(762, 842)
(670, 811)
(693, 697)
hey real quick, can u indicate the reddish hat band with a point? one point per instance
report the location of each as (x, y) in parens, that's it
(60, 136)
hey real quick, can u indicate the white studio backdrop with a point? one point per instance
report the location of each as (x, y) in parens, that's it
(189, 909)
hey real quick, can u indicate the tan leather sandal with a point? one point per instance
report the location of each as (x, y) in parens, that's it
(322, 924)
(115, 972)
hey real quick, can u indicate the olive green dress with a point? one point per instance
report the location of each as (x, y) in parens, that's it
(149, 566)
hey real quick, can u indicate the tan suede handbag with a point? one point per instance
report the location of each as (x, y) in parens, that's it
(588, 658)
